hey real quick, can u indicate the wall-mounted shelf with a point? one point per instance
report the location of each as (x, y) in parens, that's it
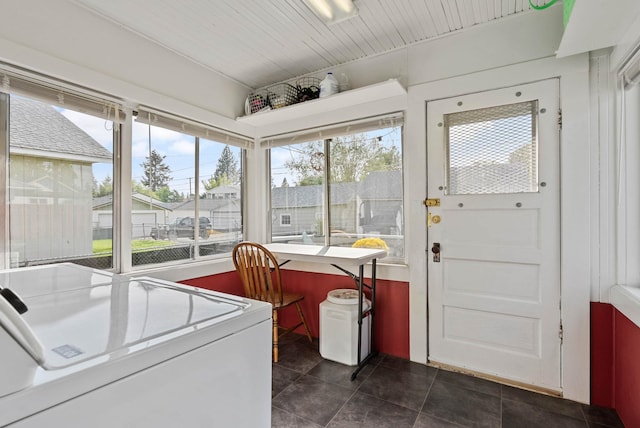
(354, 97)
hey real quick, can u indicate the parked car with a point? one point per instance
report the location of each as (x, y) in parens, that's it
(183, 227)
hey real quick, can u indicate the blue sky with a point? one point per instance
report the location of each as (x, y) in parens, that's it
(178, 148)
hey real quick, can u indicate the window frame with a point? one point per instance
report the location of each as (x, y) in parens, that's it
(87, 107)
(70, 96)
(193, 130)
(364, 125)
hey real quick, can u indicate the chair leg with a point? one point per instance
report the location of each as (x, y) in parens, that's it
(304, 322)
(275, 336)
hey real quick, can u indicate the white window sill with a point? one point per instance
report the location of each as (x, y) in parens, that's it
(186, 270)
(190, 270)
(626, 299)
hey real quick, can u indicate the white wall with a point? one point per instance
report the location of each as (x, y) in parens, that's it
(604, 164)
(615, 160)
(63, 40)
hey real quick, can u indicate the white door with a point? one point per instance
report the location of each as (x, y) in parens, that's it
(494, 285)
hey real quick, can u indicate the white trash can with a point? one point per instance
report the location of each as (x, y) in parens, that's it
(339, 327)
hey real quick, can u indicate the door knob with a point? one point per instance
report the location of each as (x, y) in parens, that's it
(435, 249)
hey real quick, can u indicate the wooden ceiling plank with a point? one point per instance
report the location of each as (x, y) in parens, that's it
(437, 12)
(452, 14)
(424, 17)
(262, 42)
(387, 33)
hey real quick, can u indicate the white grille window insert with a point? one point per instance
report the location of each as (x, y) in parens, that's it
(492, 150)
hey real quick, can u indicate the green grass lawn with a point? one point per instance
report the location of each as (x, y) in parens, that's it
(104, 246)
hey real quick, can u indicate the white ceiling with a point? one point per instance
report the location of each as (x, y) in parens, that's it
(261, 42)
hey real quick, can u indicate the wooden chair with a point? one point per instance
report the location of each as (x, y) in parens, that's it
(260, 274)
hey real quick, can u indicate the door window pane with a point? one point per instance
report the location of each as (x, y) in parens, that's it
(493, 150)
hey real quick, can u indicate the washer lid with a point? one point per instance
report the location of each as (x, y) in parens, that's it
(119, 318)
(47, 279)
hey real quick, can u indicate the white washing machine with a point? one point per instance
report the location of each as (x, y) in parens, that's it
(103, 350)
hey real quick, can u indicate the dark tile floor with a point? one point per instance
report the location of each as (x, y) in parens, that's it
(310, 392)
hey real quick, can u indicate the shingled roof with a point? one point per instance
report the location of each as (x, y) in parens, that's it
(311, 196)
(106, 202)
(206, 204)
(38, 129)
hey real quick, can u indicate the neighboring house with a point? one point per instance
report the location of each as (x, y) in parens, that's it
(146, 212)
(380, 203)
(223, 192)
(51, 178)
(371, 206)
(298, 209)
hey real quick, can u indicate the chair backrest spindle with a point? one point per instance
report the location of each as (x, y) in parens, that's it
(259, 272)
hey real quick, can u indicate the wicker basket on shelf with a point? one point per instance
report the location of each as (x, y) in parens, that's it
(282, 95)
(307, 88)
(271, 97)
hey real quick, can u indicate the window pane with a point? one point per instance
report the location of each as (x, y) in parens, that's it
(165, 201)
(221, 197)
(365, 188)
(364, 185)
(163, 210)
(493, 150)
(297, 193)
(60, 185)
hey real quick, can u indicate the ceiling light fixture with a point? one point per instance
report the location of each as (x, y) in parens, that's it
(332, 11)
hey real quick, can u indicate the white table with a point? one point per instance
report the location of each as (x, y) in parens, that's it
(337, 256)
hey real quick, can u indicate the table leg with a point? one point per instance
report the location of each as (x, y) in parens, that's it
(370, 354)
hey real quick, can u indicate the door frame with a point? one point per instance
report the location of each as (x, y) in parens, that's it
(576, 170)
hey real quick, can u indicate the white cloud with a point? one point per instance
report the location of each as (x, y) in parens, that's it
(182, 147)
(99, 129)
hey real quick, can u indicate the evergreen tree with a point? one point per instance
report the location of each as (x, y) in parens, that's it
(156, 172)
(227, 171)
(284, 183)
(103, 189)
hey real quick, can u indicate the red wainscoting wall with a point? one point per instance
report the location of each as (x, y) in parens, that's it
(602, 354)
(615, 362)
(391, 326)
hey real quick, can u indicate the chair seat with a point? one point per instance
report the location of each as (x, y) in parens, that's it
(287, 299)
